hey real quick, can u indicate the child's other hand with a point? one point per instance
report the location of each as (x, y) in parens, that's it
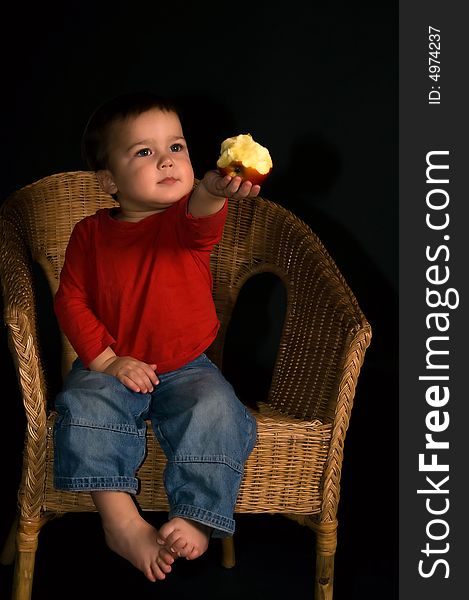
(231, 187)
(138, 376)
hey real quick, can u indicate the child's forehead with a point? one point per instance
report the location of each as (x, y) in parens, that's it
(154, 121)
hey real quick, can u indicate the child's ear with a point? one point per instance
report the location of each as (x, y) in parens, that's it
(106, 182)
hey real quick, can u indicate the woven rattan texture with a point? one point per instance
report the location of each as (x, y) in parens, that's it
(296, 465)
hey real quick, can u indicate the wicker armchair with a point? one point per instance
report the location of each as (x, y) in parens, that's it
(295, 468)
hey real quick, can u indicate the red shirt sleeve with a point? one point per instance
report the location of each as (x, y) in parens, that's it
(73, 300)
(202, 233)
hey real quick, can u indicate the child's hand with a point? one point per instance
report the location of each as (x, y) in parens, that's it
(231, 187)
(138, 376)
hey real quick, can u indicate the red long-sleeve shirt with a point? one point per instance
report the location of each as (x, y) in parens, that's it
(144, 288)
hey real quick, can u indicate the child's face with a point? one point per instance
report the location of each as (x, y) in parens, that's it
(149, 164)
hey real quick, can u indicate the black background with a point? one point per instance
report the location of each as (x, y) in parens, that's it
(317, 85)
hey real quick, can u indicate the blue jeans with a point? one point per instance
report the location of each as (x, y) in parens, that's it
(206, 433)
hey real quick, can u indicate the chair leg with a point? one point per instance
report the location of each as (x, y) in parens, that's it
(228, 552)
(26, 545)
(7, 556)
(23, 576)
(324, 584)
(326, 544)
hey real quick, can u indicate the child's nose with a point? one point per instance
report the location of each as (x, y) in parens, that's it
(165, 161)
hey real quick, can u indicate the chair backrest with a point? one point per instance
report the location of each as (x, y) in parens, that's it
(322, 315)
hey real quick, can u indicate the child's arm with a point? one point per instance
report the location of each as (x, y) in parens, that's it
(210, 195)
(85, 331)
(134, 374)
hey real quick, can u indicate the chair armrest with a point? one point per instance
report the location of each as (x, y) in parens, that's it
(324, 337)
(20, 318)
(322, 318)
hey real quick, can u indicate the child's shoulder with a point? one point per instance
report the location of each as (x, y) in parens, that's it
(94, 218)
(91, 223)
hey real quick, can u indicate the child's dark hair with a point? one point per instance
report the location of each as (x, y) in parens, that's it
(94, 143)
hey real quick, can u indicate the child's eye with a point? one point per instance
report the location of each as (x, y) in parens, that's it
(176, 147)
(144, 152)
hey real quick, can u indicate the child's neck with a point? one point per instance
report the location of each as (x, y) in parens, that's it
(133, 216)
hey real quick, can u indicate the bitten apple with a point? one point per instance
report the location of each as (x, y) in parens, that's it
(241, 155)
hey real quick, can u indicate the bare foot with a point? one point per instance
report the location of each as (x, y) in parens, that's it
(135, 540)
(185, 538)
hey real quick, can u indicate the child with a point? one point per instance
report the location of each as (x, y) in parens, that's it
(135, 301)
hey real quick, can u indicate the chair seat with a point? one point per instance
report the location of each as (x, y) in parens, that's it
(282, 474)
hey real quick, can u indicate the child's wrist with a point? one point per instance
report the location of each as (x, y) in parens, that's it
(103, 360)
(209, 182)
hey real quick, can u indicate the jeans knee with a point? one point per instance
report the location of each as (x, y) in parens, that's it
(101, 399)
(220, 409)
